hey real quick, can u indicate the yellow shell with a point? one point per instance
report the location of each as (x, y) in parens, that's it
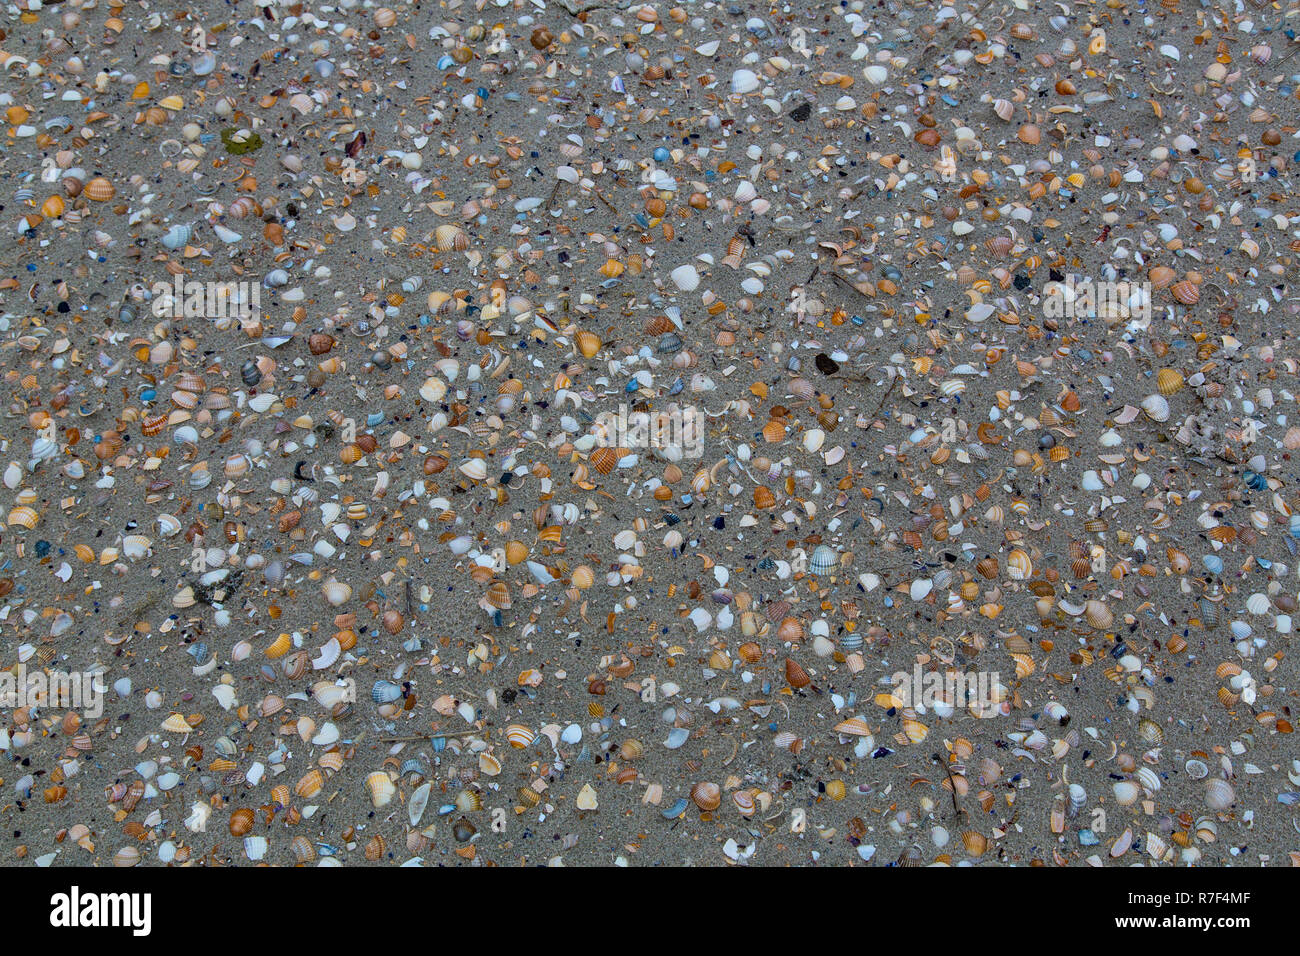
(99, 189)
(309, 784)
(53, 207)
(583, 577)
(381, 789)
(612, 269)
(588, 343)
(281, 646)
(1169, 381)
(23, 517)
(177, 724)
(516, 552)
(974, 842)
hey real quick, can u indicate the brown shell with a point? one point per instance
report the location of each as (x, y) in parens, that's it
(796, 676)
(1185, 292)
(320, 343)
(241, 822)
(707, 796)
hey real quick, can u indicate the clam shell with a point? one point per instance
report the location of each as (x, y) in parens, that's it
(381, 789)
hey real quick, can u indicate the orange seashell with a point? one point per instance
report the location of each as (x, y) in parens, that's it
(795, 675)
(241, 822)
(100, 189)
(763, 498)
(588, 343)
(774, 431)
(1185, 292)
(1161, 277)
(604, 460)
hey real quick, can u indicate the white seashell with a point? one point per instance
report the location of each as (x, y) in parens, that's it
(813, 439)
(685, 278)
(337, 592)
(1219, 794)
(1156, 406)
(474, 468)
(744, 81)
(1126, 792)
(418, 801)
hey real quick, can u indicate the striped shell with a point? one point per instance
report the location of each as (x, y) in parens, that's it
(1019, 567)
(99, 189)
(824, 560)
(23, 517)
(520, 736)
(1185, 292)
(450, 238)
(1169, 381)
(381, 789)
(707, 796)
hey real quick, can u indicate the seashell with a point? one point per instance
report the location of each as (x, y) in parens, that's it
(1156, 407)
(974, 842)
(1219, 794)
(337, 593)
(1196, 769)
(23, 517)
(853, 727)
(99, 189)
(604, 459)
(177, 724)
(589, 343)
(309, 784)
(744, 802)
(381, 789)
(1098, 615)
(774, 430)
(1149, 732)
(385, 692)
(302, 849)
(1004, 109)
(450, 238)
(1019, 566)
(520, 736)
(1185, 292)
(1126, 792)
(707, 796)
(795, 675)
(1169, 381)
(824, 560)
(241, 822)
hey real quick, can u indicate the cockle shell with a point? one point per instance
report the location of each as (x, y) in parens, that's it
(381, 789)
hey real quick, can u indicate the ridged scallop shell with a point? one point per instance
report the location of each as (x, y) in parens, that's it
(1098, 615)
(450, 238)
(99, 189)
(795, 674)
(853, 727)
(1156, 407)
(385, 691)
(337, 592)
(1019, 566)
(1169, 381)
(707, 796)
(1127, 792)
(824, 560)
(1219, 794)
(1185, 292)
(23, 517)
(309, 784)
(520, 736)
(381, 789)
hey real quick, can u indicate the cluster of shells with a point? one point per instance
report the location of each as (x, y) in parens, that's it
(306, 447)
